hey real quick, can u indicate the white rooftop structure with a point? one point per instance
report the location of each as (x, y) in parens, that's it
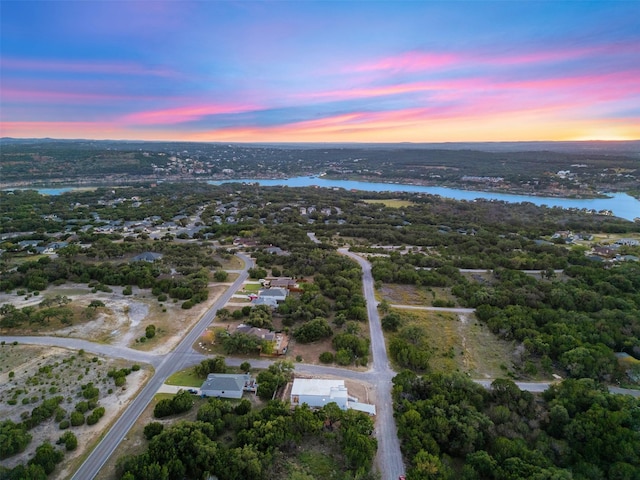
(317, 392)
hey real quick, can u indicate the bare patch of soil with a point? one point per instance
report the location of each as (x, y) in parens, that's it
(46, 372)
(123, 319)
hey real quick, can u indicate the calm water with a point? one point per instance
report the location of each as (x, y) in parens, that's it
(621, 204)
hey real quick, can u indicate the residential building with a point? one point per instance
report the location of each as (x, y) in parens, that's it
(227, 385)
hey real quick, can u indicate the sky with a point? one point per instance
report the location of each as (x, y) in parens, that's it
(327, 71)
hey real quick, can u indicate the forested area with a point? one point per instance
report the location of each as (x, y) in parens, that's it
(452, 428)
(577, 324)
(233, 441)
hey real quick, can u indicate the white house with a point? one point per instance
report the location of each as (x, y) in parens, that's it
(317, 392)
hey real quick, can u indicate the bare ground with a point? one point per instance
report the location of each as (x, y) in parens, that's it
(45, 372)
(122, 321)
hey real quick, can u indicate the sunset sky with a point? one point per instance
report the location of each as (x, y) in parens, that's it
(330, 71)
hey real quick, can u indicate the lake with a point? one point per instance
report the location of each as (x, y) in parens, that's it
(621, 204)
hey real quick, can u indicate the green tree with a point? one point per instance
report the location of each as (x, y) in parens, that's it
(47, 457)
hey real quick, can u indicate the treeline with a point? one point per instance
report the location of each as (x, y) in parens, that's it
(483, 250)
(232, 441)
(452, 428)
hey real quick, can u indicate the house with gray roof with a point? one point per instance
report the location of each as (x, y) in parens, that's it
(147, 257)
(227, 385)
(278, 294)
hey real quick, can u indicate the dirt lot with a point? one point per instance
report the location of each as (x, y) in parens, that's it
(123, 319)
(46, 372)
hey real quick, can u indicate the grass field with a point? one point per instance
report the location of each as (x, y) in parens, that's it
(460, 343)
(185, 378)
(392, 202)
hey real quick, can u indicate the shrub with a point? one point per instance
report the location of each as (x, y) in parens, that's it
(95, 416)
(150, 331)
(70, 441)
(327, 357)
(152, 429)
(77, 419)
(64, 424)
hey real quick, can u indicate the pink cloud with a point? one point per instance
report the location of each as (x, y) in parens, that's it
(409, 62)
(184, 114)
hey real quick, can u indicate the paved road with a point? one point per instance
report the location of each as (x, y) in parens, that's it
(389, 457)
(178, 359)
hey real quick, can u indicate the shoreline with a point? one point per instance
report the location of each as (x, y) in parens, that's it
(94, 184)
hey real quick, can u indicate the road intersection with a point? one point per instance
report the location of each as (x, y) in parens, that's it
(389, 458)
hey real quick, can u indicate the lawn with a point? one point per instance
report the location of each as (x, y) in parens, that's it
(250, 287)
(392, 202)
(185, 378)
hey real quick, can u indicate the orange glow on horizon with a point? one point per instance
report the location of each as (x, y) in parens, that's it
(402, 126)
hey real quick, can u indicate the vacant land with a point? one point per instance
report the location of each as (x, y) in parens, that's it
(392, 202)
(123, 319)
(413, 295)
(31, 374)
(460, 343)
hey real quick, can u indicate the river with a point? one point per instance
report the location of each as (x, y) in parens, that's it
(621, 204)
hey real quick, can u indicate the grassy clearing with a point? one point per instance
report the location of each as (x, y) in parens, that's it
(392, 202)
(406, 294)
(316, 465)
(185, 378)
(461, 343)
(233, 263)
(250, 287)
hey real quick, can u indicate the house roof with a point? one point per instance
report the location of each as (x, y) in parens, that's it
(257, 332)
(226, 382)
(273, 292)
(319, 387)
(363, 407)
(269, 301)
(147, 257)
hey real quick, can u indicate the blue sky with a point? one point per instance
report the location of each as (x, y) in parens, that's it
(321, 71)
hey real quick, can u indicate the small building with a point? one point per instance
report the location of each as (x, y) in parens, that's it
(282, 282)
(278, 294)
(280, 340)
(147, 257)
(227, 385)
(317, 392)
